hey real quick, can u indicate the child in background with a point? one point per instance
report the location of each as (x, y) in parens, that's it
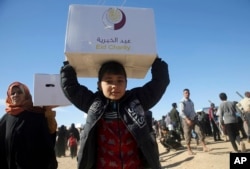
(72, 144)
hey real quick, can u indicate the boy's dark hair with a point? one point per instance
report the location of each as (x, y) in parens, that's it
(112, 67)
(223, 96)
(186, 90)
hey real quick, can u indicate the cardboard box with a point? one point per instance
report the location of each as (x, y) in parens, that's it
(48, 91)
(96, 34)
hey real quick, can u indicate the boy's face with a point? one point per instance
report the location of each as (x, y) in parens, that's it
(113, 86)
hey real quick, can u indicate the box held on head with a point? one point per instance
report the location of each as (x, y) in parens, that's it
(47, 91)
(96, 34)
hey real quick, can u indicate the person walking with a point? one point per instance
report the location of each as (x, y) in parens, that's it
(244, 107)
(190, 122)
(175, 119)
(75, 131)
(214, 122)
(72, 144)
(162, 124)
(228, 118)
(61, 141)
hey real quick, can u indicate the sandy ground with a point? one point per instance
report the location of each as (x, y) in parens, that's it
(218, 157)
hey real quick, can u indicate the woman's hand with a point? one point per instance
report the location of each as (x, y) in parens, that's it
(48, 108)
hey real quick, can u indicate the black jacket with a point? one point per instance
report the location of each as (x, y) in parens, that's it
(131, 110)
(25, 142)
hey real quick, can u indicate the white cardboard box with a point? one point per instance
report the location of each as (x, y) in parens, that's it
(48, 91)
(96, 34)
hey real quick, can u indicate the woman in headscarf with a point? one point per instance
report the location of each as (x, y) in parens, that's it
(26, 132)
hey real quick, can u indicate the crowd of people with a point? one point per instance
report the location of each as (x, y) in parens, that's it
(229, 120)
(64, 140)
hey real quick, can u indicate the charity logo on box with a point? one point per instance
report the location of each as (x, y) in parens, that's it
(114, 18)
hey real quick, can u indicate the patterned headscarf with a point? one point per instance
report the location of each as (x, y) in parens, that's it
(27, 103)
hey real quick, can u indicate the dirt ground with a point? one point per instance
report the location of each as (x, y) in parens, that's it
(217, 158)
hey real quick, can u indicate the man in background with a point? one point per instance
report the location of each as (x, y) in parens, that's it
(189, 122)
(214, 121)
(244, 107)
(175, 119)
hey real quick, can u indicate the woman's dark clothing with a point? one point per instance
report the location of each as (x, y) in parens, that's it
(75, 131)
(61, 141)
(130, 108)
(25, 142)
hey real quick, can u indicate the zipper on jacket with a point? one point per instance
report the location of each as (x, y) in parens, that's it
(116, 108)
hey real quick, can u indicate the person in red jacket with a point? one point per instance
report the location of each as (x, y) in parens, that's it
(72, 144)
